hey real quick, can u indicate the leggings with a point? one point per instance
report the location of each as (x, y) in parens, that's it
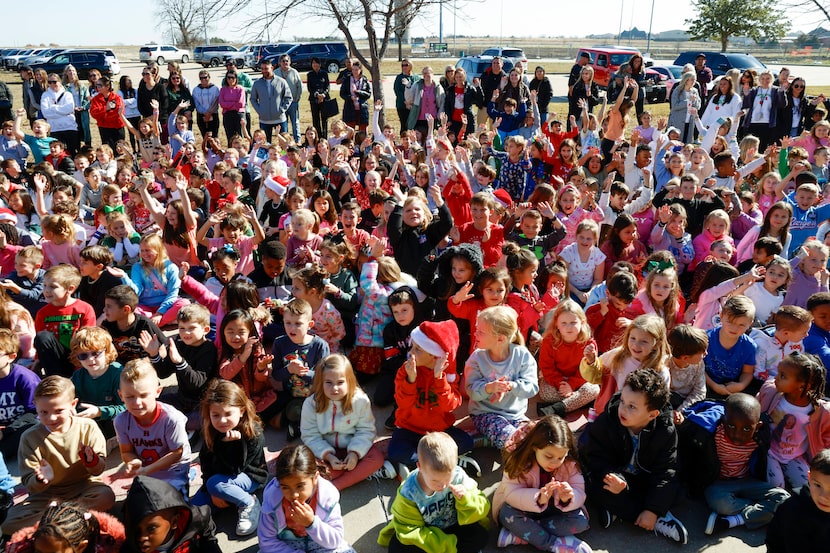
(496, 427)
(580, 397)
(169, 317)
(470, 538)
(366, 467)
(542, 531)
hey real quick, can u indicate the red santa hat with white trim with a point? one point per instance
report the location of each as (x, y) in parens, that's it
(439, 339)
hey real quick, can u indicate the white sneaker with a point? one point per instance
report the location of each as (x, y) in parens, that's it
(403, 472)
(386, 472)
(671, 528)
(466, 462)
(248, 518)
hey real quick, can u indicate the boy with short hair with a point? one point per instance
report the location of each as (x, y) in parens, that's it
(607, 318)
(685, 193)
(125, 325)
(688, 374)
(295, 356)
(731, 356)
(817, 341)
(61, 458)
(350, 219)
(629, 456)
(820, 168)
(437, 507)
(371, 216)
(527, 235)
(157, 517)
(57, 321)
(725, 447)
(151, 435)
(189, 356)
(484, 177)
(17, 387)
(792, 324)
(807, 216)
(802, 522)
(763, 250)
(488, 236)
(24, 285)
(97, 279)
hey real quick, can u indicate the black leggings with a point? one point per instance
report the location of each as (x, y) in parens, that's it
(471, 539)
(232, 121)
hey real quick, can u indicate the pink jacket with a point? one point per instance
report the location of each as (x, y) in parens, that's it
(523, 492)
(818, 428)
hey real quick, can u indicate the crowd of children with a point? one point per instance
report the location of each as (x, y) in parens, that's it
(677, 316)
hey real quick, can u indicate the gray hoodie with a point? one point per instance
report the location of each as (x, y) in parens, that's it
(271, 98)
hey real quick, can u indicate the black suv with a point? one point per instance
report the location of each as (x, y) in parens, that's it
(332, 55)
(83, 60)
(720, 63)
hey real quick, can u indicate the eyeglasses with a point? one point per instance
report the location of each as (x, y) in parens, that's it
(53, 82)
(88, 355)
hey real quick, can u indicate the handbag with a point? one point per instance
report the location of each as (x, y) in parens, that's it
(330, 108)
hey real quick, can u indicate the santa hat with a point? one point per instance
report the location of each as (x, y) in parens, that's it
(277, 184)
(7, 216)
(503, 198)
(438, 339)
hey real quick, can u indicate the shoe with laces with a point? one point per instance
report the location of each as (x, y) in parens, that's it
(507, 538)
(386, 472)
(248, 518)
(671, 528)
(469, 465)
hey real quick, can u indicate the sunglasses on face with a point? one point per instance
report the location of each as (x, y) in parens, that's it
(798, 85)
(53, 82)
(145, 74)
(88, 355)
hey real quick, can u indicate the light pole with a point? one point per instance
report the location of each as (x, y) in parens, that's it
(441, 21)
(619, 29)
(204, 24)
(650, 22)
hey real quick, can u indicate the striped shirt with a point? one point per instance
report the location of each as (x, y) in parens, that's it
(734, 458)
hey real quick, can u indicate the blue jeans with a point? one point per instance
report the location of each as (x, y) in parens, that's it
(293, 114)
(756, 500)
(269, 129)
(236, 490)
(6, 482)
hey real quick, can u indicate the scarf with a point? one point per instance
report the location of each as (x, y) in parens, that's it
(298, 529)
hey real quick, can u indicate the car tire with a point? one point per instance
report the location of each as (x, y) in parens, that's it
(239, 64)
(185, 59)
(214, 62)
(333, 67)
(160, 60)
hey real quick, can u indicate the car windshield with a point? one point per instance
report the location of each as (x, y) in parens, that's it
(619, 59)
(744, 61)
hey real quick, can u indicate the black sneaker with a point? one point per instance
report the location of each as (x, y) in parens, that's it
(716, 524)
(671, 528)
(556, 408)
(606, 518)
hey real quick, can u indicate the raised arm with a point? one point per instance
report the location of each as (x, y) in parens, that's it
(18, 119)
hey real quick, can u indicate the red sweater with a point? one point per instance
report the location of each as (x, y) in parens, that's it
(65, 321)
(425, 405)
(106, 117)
(561, 363)
(606, 331)
(523, 303)
(491, 249)
(459, 203)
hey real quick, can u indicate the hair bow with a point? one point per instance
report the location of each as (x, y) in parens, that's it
(655, 265)
(229, 248)
(110, 209)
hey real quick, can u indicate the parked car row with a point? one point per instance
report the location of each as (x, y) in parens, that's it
(55, 60)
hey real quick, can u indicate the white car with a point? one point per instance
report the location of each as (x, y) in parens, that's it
(162, 53)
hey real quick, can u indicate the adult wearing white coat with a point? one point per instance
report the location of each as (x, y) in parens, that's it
(58, 108)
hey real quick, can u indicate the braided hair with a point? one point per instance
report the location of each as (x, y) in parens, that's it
(70, 523)
(810, 371)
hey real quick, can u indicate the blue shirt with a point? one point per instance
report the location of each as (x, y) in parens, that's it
(725, 365)
(805, 222)
(817, 342)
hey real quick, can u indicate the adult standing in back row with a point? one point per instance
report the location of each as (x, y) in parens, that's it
(404, 80)
(271, 98)
(295, 85)
(492, 79)
(573, 78)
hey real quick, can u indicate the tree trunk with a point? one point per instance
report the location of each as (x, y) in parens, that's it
(724, 42)
(377, 91)
(400, 46)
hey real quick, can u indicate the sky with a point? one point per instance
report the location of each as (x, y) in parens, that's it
(485, 17)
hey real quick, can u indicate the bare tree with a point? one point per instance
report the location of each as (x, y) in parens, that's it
(379, 19)
(190, 18)
(811, 7)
